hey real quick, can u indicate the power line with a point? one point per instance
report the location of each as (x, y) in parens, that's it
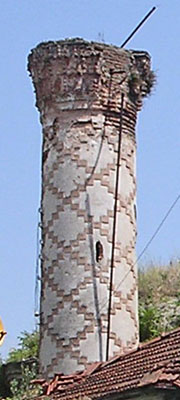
(114, 225)
(147, 245)
(36, 289)
(37, 272)
(158, 228)
(138, 26)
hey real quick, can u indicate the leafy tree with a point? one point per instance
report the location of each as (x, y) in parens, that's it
(25, 355)
(27, 347)
(24, 390)
(159, 299)
(149, 322)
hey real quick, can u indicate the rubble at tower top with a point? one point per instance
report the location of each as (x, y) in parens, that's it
(90, 67)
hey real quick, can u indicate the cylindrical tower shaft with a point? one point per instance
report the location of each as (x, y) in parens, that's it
(78, 90)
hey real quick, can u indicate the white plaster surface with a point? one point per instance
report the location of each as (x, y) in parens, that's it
(50, 205)
(122, 321)
(68, 364)
(68, 323)
(69, 278)
(101, 200)
(66, 177)
(66, 228)
(90, 347)
(48, 350)
(49, 303)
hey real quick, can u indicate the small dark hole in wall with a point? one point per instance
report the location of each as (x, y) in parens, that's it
(135, 211)
(99, 251)
(55, 125)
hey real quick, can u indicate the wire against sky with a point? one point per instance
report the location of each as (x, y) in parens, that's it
(158, 228)
(138, 26)
(147, 245)
(114, 225)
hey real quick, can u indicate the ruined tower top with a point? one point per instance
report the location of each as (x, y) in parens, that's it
(85, 74)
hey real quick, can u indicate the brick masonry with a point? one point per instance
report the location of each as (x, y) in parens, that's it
(78, 89)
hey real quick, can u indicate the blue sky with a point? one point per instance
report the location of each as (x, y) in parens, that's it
(25, 23)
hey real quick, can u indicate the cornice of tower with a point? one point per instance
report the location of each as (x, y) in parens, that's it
(77, 74)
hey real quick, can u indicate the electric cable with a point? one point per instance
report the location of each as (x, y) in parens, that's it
(114, 225)
(158, 228)
(38, 257)
(146, 246)
(37, 272)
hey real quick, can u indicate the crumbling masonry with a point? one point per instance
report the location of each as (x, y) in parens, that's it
(78, 89)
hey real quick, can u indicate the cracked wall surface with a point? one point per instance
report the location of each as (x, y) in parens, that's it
(78, 89)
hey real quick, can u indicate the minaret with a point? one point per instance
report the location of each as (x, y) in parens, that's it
(79, 90)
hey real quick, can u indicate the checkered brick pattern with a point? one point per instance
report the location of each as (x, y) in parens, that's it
(79, 100)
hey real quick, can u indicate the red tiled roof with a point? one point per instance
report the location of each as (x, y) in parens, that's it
(156, 362)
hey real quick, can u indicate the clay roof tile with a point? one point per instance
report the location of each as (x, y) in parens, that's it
(156, 362)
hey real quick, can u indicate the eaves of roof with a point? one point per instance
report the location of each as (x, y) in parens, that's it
(154, 363)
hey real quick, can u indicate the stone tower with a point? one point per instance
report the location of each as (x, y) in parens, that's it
(79, 89)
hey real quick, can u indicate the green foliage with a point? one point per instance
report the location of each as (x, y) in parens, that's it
(27, 350)
(24, 390)
(149, 322)
(159, 282)
(27, 347)
(159, 299)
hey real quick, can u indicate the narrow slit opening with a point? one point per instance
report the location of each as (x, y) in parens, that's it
(99, 251)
